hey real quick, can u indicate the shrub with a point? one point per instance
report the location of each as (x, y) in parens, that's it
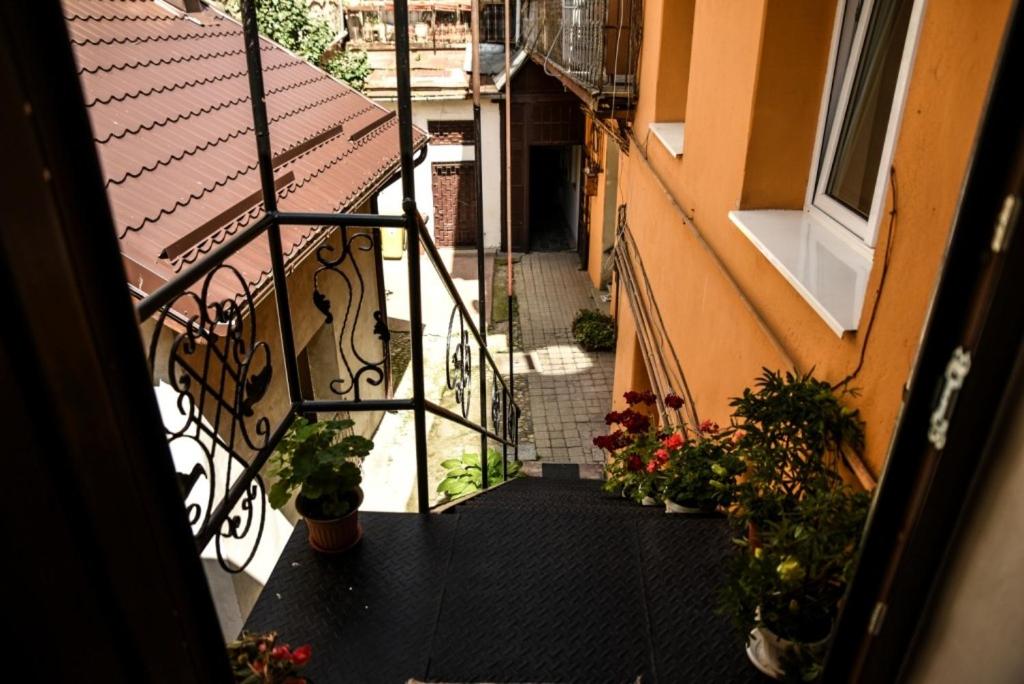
(465, 477)
(593, 330)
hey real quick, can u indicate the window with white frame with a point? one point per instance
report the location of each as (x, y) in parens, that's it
(870, 52)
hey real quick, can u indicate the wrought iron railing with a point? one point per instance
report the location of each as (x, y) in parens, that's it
(596, 43)
(210, 352)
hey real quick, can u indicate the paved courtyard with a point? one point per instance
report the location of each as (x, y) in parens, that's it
(570, 389)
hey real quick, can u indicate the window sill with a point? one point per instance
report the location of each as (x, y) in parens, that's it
(670, 134)
(827, 267)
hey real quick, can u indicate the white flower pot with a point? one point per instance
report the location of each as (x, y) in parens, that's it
(649, 501)
(766, 650)
(673, 507)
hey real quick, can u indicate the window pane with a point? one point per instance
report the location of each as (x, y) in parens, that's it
(859, 150)
(851, 18)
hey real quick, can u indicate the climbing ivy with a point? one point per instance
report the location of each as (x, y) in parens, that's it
(289, 23)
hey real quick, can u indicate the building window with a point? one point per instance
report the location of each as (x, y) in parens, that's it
(870, 49)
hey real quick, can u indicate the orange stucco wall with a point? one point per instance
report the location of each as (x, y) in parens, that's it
(751, 107)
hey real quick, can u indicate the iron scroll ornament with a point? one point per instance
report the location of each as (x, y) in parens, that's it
(458, 367)
(359, 369)
(219, 372)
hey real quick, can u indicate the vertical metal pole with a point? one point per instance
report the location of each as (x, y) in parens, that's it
(412, 248)
(509, 280)
(266, 168)
(504, 436)
(474, 21)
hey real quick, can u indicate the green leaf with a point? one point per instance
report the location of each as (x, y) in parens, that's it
(451, 463)
(279, 494)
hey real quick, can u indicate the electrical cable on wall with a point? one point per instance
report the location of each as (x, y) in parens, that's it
(881, 284)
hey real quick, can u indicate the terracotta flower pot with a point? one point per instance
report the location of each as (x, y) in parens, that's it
(336, 535)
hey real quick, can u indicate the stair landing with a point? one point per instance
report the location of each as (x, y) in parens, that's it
(539, 580)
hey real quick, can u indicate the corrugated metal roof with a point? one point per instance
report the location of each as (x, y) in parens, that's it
(168, 97)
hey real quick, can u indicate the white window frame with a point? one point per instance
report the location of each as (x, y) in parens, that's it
(822, 207)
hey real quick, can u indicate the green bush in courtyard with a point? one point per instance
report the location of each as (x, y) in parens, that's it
(593, 330)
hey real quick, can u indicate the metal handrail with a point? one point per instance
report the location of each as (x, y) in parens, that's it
(435, 258)
(210, 321)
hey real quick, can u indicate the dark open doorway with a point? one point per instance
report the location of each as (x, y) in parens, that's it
(553, 197)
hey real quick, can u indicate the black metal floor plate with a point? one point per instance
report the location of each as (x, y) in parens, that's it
(537, 581)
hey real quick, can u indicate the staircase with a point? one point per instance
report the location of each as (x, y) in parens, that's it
(541, 579)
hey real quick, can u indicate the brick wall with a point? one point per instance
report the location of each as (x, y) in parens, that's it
(451, 132)
(454, 187)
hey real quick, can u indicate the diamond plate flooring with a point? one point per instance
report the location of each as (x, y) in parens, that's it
(539, 580)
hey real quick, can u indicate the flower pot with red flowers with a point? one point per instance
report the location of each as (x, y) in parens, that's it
(321, 464)
(634, 467)
(259, 659)
(701, 471)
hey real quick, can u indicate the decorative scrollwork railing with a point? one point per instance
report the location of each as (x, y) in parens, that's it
(458, 366)
(345, 264)
(219, 372)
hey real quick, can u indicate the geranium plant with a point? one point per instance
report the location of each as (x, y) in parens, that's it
(702, 467)
(322, 465)
(634, 446)
(259, 659)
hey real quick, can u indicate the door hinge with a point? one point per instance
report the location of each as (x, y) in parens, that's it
(1006, 220)
(877, 618)
(953, 379)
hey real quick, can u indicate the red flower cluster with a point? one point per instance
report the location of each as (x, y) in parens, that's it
(634, 463)
(673, 401)
(709, 426)
(298, 657)
(631, 420)
(633, 398)
(673, 441)
(612, 442)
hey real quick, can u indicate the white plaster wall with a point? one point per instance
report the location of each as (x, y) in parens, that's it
(445, 110)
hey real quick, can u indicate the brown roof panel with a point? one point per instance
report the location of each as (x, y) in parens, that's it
(168, 98)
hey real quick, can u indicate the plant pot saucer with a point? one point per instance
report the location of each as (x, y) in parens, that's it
(335, 552)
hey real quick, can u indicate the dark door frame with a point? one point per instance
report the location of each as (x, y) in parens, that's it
(105, 564)
(941, 446)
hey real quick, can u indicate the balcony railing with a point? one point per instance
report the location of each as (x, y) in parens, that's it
(595, 43)
(219, 359)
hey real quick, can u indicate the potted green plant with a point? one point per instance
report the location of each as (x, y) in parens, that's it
(259, 659)
(785, 593)
(321, 465)
(799, 521)
(701, 471)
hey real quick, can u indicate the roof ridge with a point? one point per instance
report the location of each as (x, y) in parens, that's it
(179, 156)
(156, 39)
(183, 84)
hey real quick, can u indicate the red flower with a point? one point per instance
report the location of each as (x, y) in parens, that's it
(612, 417)
(634, 463)
(738, 435)
(673, 441)
(635, 422)
(615, 440)
(302, 654)
(652, 465)
(296, 680)
(281, 652)
(633, 398)
(709, 426)
(673, 401)
(661, 455)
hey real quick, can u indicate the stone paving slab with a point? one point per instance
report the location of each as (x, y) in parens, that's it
(570, 389)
